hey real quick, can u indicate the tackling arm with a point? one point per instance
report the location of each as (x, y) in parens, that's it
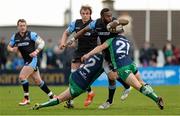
(95, 50)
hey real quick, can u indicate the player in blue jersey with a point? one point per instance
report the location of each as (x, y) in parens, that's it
(84, 45)
(99, 26)
(124, 66)
(79, 81)
(24, 42)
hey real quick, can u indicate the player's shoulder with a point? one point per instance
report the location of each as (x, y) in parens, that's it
(32, 32)
(122, 37)
(98, 57)
(78, 21)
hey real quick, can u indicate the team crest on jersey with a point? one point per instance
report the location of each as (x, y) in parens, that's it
(17, 40)
(27, 38)
(127, 71)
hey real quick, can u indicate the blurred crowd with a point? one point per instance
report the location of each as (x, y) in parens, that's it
(54, 58)
(51, 57)
(148, 54)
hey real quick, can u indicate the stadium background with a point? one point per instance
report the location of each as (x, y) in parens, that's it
(153, 27)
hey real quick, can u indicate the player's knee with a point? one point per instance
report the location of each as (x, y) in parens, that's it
(112, 82)
(40, 83)
(112, 76)
(21, 77)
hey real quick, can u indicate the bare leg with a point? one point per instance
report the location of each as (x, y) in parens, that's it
(55, 101)
(146, 90)
(37, 79)
(24, 74)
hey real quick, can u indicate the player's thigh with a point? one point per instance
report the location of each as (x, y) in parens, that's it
(138, 77)
(132, 81)
(66, 95)
(76, 60)
(25, 72)
(112, 75)
(36, 77)
(75, 65)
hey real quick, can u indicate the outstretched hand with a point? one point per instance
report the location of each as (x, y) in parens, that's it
(84, 58)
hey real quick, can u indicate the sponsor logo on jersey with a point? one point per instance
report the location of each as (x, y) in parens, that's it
(87, 34)
(23, 44)
(103, 33)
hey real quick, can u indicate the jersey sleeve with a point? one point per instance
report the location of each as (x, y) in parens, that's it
(12, 40)
(71, 27)
(92, 25)
(34, 36)
(109, 41)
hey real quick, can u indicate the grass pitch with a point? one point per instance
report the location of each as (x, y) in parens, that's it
(135, 104)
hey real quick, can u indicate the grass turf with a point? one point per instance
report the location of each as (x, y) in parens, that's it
(135, 104)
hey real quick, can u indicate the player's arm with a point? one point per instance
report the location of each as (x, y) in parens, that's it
(123, 22)
(66, 33)
(39, 41)
(80, 33)
(95, 50)
(117, 22)
(11, 46)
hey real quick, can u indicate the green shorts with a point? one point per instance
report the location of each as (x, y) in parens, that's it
(75, 90)
(125, 71)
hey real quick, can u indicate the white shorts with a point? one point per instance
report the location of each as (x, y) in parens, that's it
(107, 66)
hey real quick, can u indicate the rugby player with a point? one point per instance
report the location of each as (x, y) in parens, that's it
(85, 44)
(79, 81)
(99, 26)
(124, 66)
(24, 42)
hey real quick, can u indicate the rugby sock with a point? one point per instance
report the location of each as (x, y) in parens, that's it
(148, 91)
(44, 87)
(126, 86)
(112, 89)
(25, 85)
(88, 89)
(51, 102)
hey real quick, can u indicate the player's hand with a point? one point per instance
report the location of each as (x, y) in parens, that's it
(61, 46)
(34, 54)
(14, 49)
(84, 58)
(70, 42)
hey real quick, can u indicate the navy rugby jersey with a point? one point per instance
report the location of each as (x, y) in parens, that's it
(88, 41)
(100, 28)
(119, 48)
(25, 44)
(89, 72)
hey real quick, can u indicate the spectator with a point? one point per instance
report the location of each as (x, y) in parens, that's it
(50, 54)
(168, 53)
(3, 53)
(59, 57)
(17, 62)
(153, 56)
(176, 52)
(145, 54)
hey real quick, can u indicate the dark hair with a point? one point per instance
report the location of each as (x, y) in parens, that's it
(21, 20)
(104, 10)
(86, 8)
